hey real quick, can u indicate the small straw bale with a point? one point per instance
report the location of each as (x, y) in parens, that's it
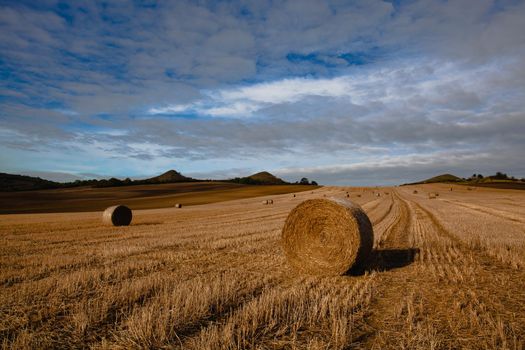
(117, 215)
(347, 195)
(265, 201)
(270, 201)
(178, 205)
(294, 195)
(327, 236)
(414, 192)
(431, 196)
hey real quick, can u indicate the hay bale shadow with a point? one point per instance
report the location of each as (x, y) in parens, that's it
(384, 260)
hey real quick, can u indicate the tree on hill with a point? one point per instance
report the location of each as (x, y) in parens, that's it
(499, 176)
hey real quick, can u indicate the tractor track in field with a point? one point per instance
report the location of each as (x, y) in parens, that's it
(427, 281)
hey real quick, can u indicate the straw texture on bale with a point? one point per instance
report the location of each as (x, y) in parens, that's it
(117, 215)
(327, 236)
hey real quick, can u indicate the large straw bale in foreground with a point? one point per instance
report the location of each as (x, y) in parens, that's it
(327, 236)
(117, 215)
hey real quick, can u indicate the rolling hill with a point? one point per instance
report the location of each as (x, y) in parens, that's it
(170, 176)
(11, 182)
(441, 178)
(261, 178)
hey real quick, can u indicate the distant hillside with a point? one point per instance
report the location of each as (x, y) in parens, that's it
(170, 176)
(262, 178)
(266, 178)
(10, 182)
(442, 178)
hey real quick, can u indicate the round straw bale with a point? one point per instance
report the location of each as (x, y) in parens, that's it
(270, 201)
(265, 202)
(117, 215)
(327, 236)
(178, 205)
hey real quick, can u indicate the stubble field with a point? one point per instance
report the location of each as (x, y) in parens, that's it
(445, 273)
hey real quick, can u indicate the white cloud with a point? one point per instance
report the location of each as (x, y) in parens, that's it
(413, 82)
(170, 109)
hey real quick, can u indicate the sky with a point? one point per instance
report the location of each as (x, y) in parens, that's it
(342, 92)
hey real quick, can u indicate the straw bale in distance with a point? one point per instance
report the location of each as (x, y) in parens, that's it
(265, 201)
(414, 192)
(270, 201)
(117, 215)
(327, 236)
(178, 205)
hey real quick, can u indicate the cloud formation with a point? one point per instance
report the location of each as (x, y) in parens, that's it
(396, 90)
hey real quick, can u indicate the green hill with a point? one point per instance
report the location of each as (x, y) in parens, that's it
(262, 178)
(11, 182)
(442, 178)
(170, 176)
(266, 178)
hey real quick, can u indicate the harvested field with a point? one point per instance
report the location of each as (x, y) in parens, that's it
(136, 197)
(446, 273)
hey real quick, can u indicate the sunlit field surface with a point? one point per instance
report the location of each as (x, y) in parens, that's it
(445, 273)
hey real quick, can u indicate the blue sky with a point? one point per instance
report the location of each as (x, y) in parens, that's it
(343, 92)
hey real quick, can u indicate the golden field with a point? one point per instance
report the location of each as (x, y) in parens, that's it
(446, 273)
